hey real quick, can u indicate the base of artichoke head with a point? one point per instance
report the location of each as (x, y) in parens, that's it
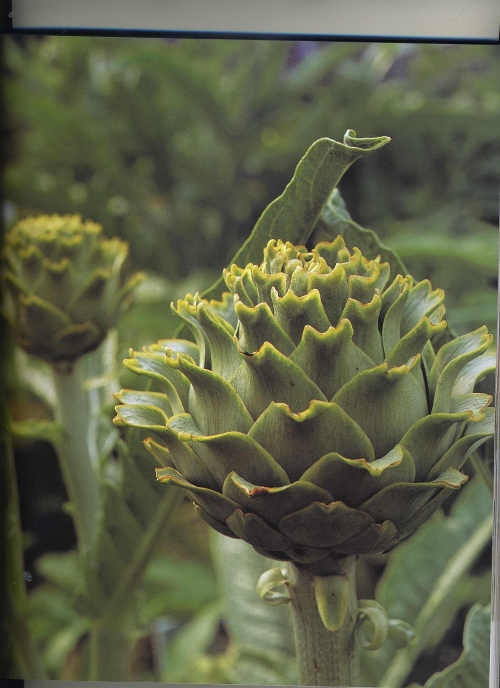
(324, 657)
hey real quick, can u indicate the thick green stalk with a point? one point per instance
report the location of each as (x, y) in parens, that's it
(325, 658)
(123, 596)
(110, 646)
(76, 452)
(110, 641)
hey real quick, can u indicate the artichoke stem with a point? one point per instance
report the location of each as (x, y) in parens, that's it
(75, 452)
(109, 650)
(324, 658)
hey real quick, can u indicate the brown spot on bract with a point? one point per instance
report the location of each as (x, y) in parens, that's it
(258, 491)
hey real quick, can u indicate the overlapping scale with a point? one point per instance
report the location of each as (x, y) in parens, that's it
(297, 440)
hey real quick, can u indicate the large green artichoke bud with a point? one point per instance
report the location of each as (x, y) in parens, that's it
(65, 285)
(313, 417)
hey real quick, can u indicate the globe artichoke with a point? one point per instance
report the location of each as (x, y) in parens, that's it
(65, 285)
(313, 417)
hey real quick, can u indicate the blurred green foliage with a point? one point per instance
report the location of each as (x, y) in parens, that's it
(178, 145)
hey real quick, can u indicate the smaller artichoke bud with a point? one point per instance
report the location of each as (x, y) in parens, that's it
(65, 285)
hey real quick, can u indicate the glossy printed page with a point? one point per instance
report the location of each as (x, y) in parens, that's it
(448, 19)
(251, 290)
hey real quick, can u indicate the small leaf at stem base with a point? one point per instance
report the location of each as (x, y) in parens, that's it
(267, 584)
(371, 614)
(332, 598)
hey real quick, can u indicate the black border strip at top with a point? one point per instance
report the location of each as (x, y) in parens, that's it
(238, 35)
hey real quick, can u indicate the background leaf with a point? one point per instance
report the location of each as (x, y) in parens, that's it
(471, 670)
(293, 215)
(260, 632)
(189, 644)
(427, 581)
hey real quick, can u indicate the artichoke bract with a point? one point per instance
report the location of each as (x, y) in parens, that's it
(65, 285)
(312, 416)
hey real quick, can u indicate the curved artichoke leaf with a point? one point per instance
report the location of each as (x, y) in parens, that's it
(355, 480)
(297, 440)
(186, 310)
(272, 503)
(363, 287)
(224, 353)
(213, 403)
(422, 300)
(373, 627)
(294, 312)
(225, 308)
(377, 538)
(156, 366)
(267, 584)
(183, 457)
(219, 526)
(450, 360)
(333, 287)
(211, 328)
(159, 451)
(180, 346)
(402, 502)
(476, 434)
(414, 341)
(364, 318)
(335, 219)
(256, 531)
(330, 358)
(155, 399)
(267, 376)
(431, 437)
(324, 525)
(257, 325)
(472, 371)
(141, 416)
(212, 502)
(225, 452)
(476, 403)
(383, 397)
(294, 214)
(393, 306)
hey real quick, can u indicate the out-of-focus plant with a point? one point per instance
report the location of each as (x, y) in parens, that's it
(234, 418)
(65, 286)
